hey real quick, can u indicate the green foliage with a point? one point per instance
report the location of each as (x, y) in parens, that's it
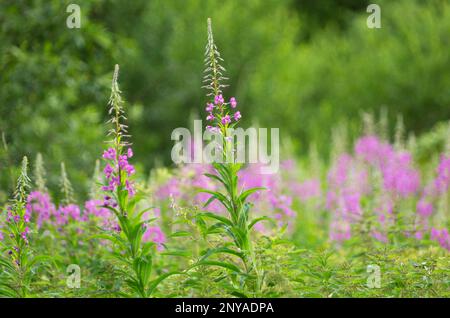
(53, 83)
(308, 67)
(17, 260)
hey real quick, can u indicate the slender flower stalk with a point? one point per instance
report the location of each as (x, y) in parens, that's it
(40, 174)
(66, 187)
(221, 117)
(133, 239)
(17, 243)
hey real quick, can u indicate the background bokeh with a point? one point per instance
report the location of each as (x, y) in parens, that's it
(303, 66)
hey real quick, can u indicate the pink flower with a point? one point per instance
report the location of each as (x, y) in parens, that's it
(418, 235)
(442, 237)
(65, 213)
(108, 170)
(210, 117)
(237, 115)
(380, 236)
(340, 231)
(94, 208)
(112, 169)
(209, 107)
(424, 208)
(372, 150)
(39, 205)
(213, 129)
(219, 99)
(130, 188)
(109, 154)
(442, 181)
(155, 234)
(226, 120)
(233, 102)
(399, 176)
(307, 190)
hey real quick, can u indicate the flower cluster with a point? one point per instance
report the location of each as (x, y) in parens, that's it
(39, 204)
(432, 194)
(376, 171)
(40, 208)
(220, 114)
(65, 213)
(117, 171)
(19, 224)
(347, 184)
(399, 177)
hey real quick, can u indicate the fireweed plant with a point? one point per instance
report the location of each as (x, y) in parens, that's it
(19, 263)
(130, 248)
(246, 278)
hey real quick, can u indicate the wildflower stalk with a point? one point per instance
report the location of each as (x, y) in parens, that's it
(135, 255)
(238, 225)
(40, 174)
(19, 260)
(66, 187)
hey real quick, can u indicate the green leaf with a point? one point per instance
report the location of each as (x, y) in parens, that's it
(177, 253)
(157, 281)
(219, 196)
(213, 176)
(180, 234)
(255, 221)
(244, 195)
(220, 250)
(226, 265)
(222, 219)
(238, 294)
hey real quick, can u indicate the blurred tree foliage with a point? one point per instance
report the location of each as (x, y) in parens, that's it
(299, 65)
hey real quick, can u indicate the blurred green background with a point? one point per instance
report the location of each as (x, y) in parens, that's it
(300, 65)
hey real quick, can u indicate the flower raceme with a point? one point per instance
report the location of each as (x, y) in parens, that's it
(220, 115)
(132, 236)
(117, 170)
